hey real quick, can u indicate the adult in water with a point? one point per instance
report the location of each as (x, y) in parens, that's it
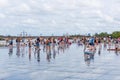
(10, 46)
(88, 54)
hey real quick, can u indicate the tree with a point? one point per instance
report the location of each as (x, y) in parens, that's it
(116, 34)
(96, 34)
(102, 34)
(1, 38)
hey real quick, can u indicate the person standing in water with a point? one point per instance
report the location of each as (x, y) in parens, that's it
(48, 49)
(18, 46)
(30, 46)
(10, 47)
(37, 46)
(18, 42)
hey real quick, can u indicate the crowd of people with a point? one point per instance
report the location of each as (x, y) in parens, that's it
(54, 45)
(95, 44)
(48, 45)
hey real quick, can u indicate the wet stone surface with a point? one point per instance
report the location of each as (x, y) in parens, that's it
(67, 65)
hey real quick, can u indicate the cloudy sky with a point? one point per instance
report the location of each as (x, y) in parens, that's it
(58, 17)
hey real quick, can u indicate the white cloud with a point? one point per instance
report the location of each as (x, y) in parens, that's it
(108, 18)
(59, 16)
(4, 3)
(91, 3)
(30, 21)
(48, 7)
(2, 15)
(24, 7)
(21, 8)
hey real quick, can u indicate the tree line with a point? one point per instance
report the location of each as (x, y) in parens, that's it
(115, 34)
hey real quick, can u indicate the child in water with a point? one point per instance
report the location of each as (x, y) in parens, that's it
(88, 49)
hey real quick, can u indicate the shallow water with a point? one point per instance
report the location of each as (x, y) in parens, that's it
(67, 65)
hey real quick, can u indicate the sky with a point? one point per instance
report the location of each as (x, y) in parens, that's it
(58, 17)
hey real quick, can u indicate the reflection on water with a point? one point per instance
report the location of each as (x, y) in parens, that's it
(48, 56)
(23, 49)
(54, 53)
(10, 51)
(51, 51)
(38, 56)
(99, 52)
(18, 52)
(116, 52)
(100, 48)
(88, 58)
(30, 53)
(55, 60)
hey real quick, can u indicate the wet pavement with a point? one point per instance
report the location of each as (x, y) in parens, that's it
(65, 65)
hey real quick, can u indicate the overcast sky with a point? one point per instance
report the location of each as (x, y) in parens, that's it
(58, 17)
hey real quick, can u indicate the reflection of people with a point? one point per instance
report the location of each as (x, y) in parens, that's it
(54, 53)
(116, 47)
(44, 46)
(29, 53)
(23, 49)
(38, 55)
(18, 51)
(116, 52)
(48, 57)
(10, 51)
(99, 50)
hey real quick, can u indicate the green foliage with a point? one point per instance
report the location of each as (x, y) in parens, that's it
(1, 38)
(116, 34)
(96, 34)
(102, 34)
